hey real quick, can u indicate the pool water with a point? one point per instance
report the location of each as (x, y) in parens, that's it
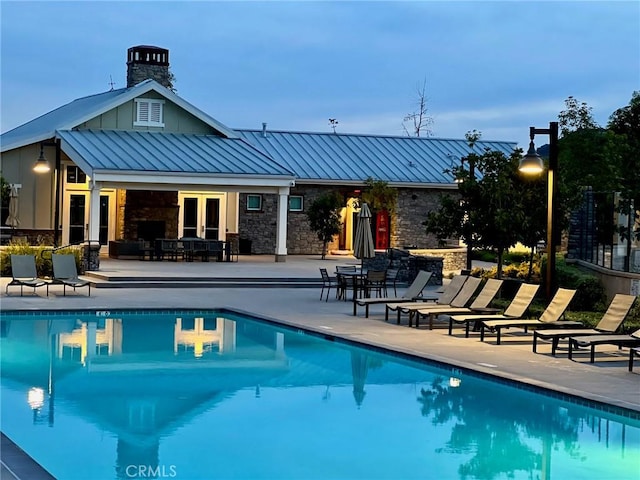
(214, 395)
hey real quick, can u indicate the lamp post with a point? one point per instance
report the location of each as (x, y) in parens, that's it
(532, 163)
(42, 166)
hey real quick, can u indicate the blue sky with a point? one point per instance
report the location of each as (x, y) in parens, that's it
(496, 67)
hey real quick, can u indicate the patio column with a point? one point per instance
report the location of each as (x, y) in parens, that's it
(281, 224)
(94, 212)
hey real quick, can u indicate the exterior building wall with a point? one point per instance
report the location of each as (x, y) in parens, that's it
(258, 227)
(406, 224)
(414, 204)
(176, 120)
(36, 193)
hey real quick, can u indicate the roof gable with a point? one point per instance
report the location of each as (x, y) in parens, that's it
(84, 109)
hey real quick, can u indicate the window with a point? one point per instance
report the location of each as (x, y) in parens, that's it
(295, 203)
(75, 175)
(149, 113)
(254, 202)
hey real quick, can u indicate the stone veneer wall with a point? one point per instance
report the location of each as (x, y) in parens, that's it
(406, 225)
(145, 205)
(413, 206)
(260, 227)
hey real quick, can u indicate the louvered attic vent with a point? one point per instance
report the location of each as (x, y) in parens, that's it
(149, 113)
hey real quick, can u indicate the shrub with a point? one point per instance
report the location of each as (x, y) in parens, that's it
(42, 255)
(590, 295)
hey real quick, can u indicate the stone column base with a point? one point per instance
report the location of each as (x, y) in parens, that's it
(281, 258)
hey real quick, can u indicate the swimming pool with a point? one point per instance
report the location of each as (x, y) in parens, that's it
(215, 395)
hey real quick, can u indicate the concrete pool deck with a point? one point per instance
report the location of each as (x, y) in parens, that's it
(607, 381)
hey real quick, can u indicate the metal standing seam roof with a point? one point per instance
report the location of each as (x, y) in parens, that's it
(133, 151)
(352, 157)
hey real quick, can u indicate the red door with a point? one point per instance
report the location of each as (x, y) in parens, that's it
(382, 230)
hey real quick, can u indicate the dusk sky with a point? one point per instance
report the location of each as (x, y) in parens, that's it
(496, 67)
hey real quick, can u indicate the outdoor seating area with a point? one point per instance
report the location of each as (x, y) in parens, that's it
(187, 249)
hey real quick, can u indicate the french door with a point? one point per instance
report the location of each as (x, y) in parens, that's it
(202, 215)
(75, 217)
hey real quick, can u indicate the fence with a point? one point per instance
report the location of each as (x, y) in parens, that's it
(595, 237)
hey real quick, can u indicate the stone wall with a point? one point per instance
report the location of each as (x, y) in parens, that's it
(408, 265)
(147, 205)
(413, 206)
(406, 225)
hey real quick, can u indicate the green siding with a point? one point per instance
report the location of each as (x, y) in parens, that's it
(176, 119)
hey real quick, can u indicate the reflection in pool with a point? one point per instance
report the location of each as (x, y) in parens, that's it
(211, 394)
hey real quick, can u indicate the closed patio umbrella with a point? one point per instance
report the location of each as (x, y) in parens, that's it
(359, 370)
(12, 219)
(363, 246)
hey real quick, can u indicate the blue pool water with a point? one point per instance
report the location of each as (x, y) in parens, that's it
(213, 395)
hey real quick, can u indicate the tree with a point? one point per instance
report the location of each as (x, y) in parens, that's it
(624, 125)
(420, 120)
(324, 218)
(492, 211)
(577, 116)
(380, 196)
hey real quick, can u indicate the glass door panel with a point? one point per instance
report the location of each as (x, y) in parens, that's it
(104, 220)
(190, 217)
(212, 219)
(77, 217)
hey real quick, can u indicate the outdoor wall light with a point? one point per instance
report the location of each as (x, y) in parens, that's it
(532, 163)
(42, 164)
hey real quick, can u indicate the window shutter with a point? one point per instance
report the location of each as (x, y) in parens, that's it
(143, 112)
(156, 112)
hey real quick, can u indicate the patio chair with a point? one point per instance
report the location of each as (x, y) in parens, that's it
(66, 274)
(327, 282)
(345, 283)
(516, 309)
(24, 273)
(392, 280)
(448, 294)
(549, 318)
(413, 293)
(375, 282)
(480, 303)
(608, 324)
(631, 341)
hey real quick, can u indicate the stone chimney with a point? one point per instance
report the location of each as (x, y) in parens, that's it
(145, 61)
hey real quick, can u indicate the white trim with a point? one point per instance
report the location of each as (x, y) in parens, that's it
(301, 209)
(251, 209)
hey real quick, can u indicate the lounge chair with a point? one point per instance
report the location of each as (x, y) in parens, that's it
(480, 303)
(516, 309)
(412, 293)
(66, 274)
(24, 273)
(447, 295)
(550, 317)
(631, 341)
(610, 322)
(460, 301)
